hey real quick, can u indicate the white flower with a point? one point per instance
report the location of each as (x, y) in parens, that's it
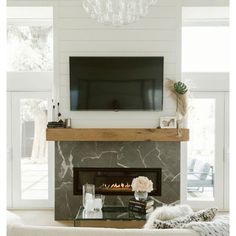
(141, 184)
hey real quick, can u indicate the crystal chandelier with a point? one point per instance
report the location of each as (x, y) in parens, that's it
(117, 12)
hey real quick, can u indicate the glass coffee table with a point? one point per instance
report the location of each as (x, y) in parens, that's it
(110, 216)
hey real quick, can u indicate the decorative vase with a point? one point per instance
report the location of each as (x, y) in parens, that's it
(140, 195)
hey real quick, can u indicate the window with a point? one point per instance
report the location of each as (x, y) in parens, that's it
(29, 78)
(201, 148)
(34, 148)
(30, 172)
(29, 48)
(205, 67)
(205, 150)
(205, 49)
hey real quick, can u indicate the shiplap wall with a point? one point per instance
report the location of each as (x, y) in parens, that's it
(79, 35)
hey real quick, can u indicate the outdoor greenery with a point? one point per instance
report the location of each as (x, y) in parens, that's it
(30, 48)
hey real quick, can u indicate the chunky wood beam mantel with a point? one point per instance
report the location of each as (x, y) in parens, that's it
(116, 134)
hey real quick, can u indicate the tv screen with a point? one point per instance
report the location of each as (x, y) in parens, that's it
(116, 83)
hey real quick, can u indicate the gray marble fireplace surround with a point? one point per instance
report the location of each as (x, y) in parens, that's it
(145, 154)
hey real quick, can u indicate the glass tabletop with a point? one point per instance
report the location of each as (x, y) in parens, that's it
(110, 213)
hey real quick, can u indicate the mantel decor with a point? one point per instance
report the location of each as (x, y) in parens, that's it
(178, 92)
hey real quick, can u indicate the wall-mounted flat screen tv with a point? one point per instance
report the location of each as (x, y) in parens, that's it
(116, 83)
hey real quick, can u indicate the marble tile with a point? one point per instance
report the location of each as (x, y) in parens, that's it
(165, 155)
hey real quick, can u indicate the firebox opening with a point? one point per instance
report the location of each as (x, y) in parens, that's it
(114, 181)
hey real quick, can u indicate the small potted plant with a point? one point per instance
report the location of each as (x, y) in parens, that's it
(141, 187)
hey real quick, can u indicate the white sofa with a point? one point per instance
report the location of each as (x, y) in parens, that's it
(15, 227)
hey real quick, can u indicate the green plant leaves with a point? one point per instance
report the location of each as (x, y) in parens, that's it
(180, 88)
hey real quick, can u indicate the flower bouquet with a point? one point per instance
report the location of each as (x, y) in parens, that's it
(141, 187)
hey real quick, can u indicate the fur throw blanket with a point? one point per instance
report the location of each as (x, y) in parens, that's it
(180, 222)
(167, 213)
(182, 216)
(218, 227)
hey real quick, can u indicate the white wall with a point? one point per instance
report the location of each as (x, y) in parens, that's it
(76, 34)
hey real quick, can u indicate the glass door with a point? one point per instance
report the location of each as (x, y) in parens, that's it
(205, 150)
(30, 114)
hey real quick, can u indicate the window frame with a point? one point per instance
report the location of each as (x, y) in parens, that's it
(207, 84)
(16, 201)
(219, 155)
(19, 83)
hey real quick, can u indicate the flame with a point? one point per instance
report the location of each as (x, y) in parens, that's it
(115, 186)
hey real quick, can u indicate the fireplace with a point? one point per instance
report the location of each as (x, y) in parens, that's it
(114, 181)
(144, 157)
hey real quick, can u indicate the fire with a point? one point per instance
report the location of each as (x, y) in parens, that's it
(116, 186)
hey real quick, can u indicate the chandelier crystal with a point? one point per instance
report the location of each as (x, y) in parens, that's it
(117, 12)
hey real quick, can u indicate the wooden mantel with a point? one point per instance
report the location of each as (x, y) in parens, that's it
(116, 134)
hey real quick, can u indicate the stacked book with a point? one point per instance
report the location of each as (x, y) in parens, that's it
(56, 124)
(144, 207)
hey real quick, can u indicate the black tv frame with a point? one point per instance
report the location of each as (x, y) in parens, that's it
(119, 57)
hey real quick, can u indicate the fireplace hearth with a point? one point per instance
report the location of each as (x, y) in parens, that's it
(114, 181)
